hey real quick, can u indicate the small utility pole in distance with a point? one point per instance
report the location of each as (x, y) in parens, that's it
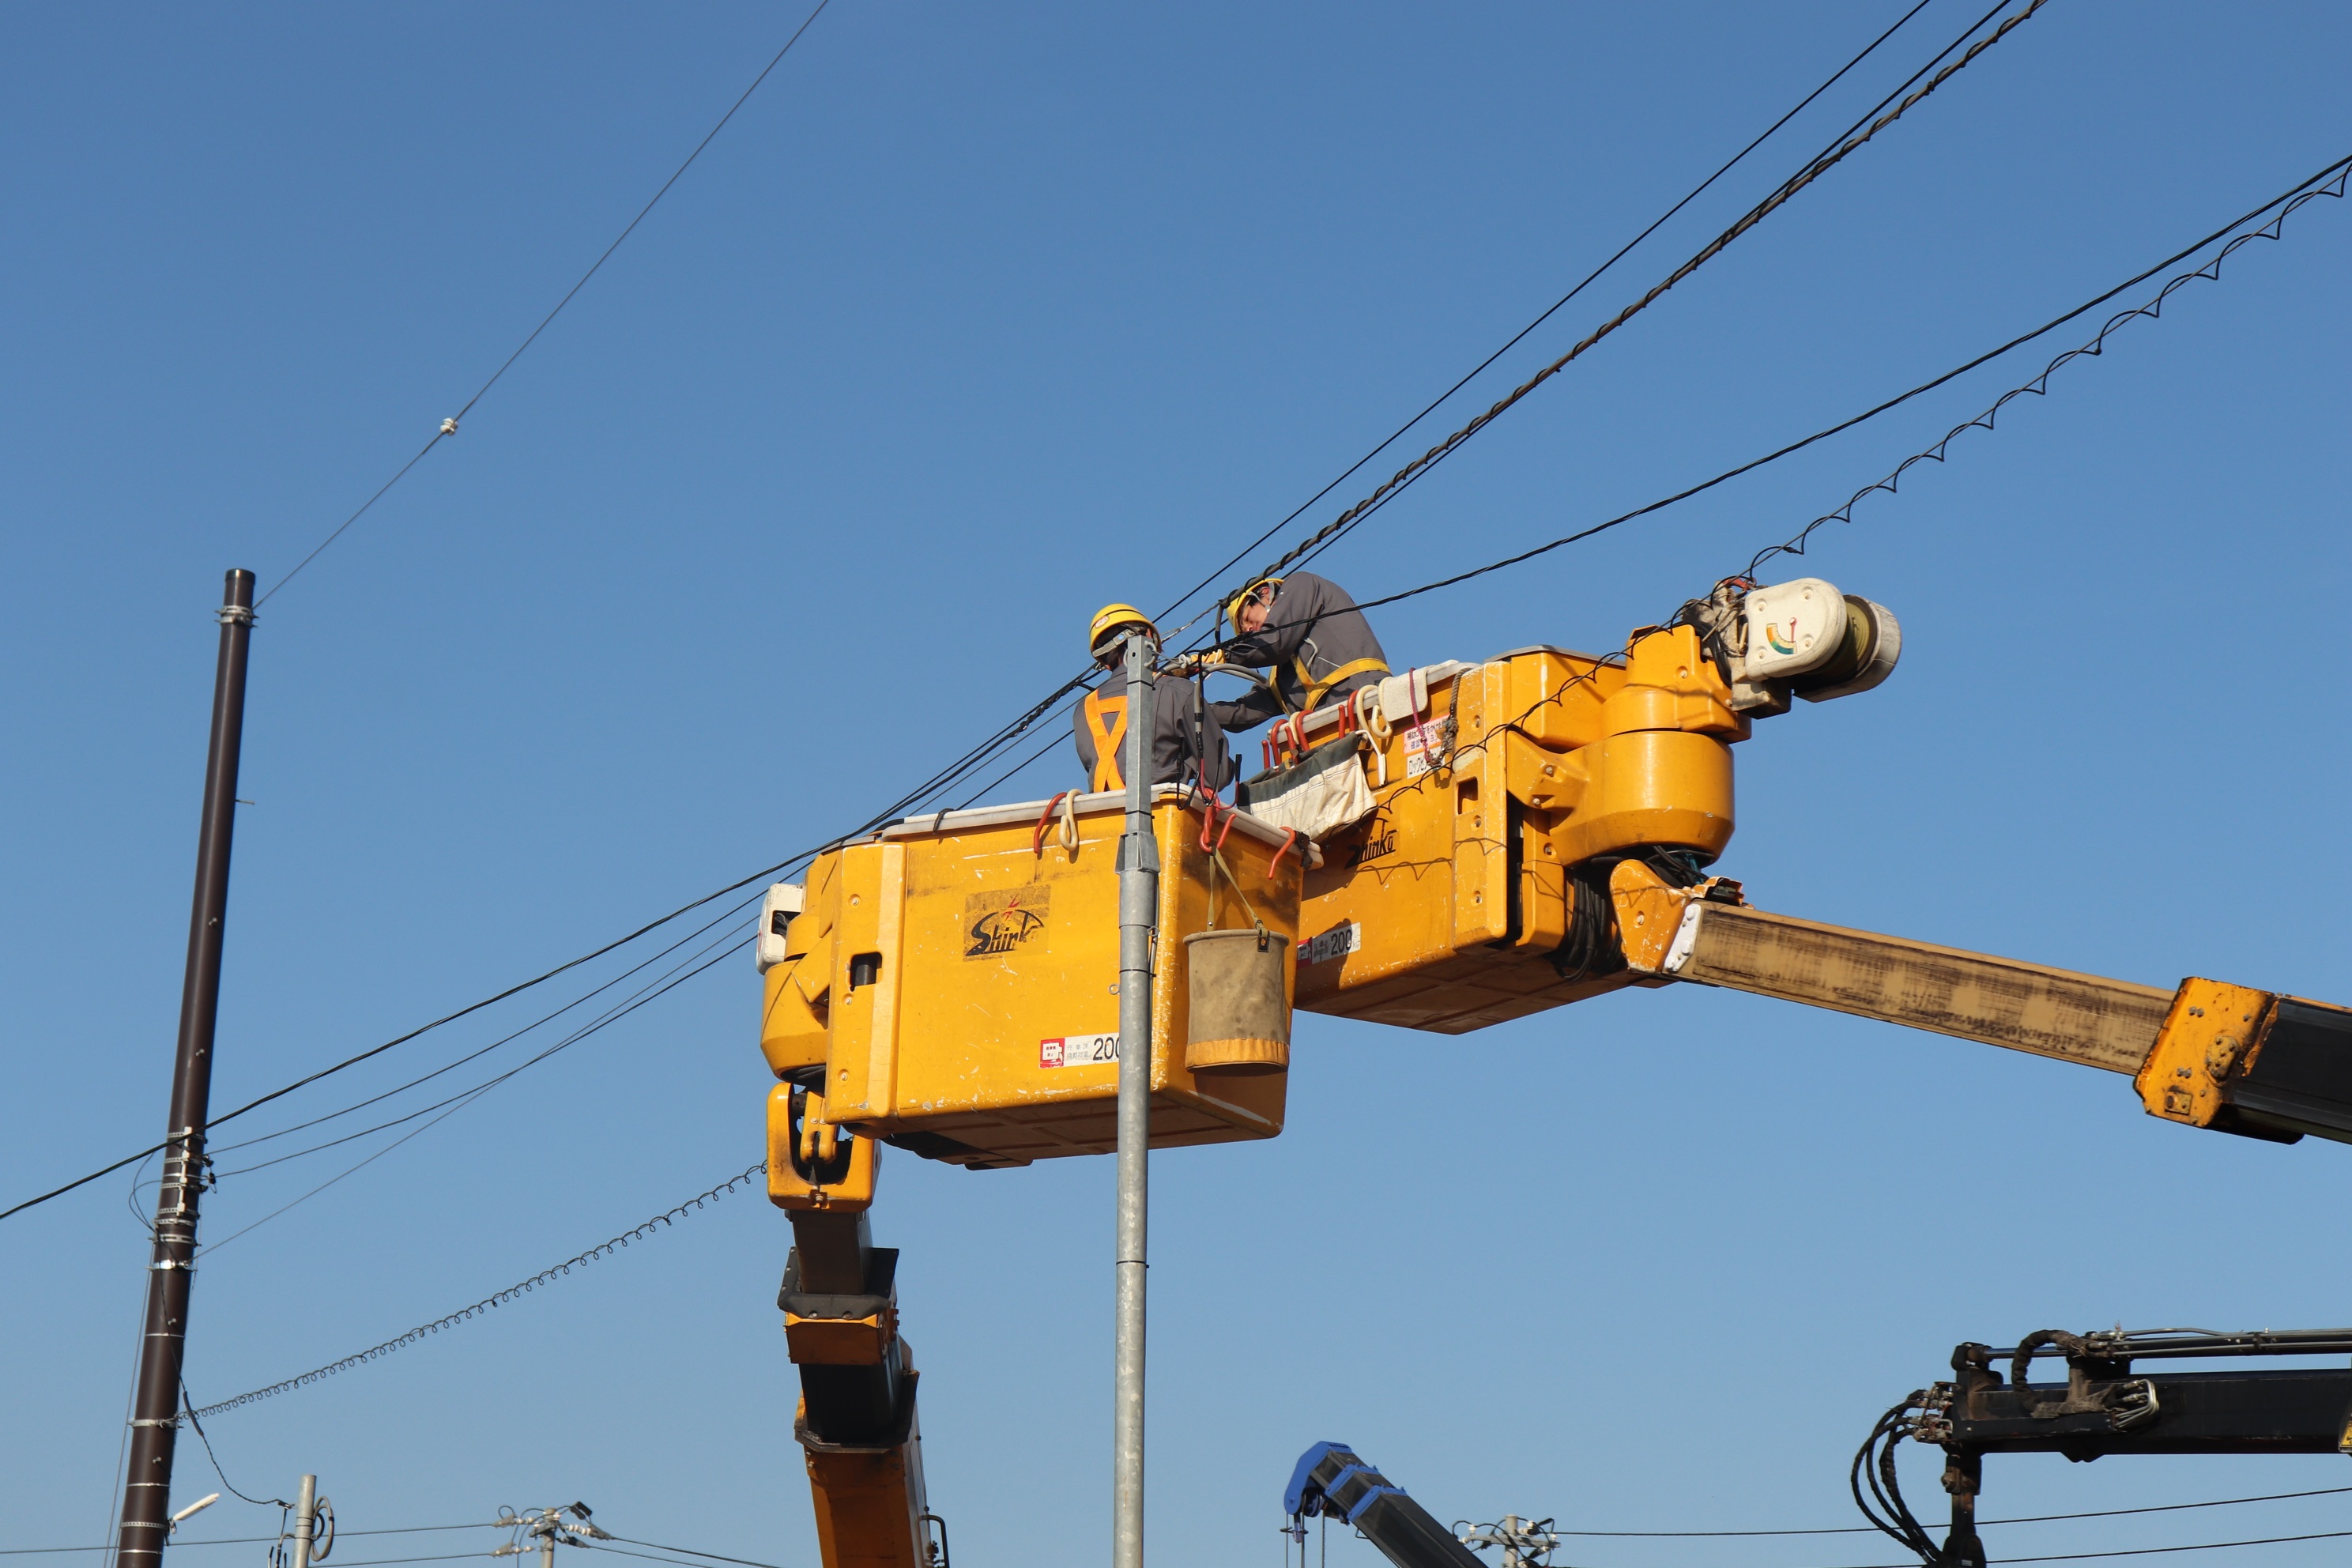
(548, 1526)
(312, 1512)
(155, 1423)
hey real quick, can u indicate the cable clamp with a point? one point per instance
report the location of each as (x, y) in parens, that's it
(235, 616)
(449, 427)
(156, 1421)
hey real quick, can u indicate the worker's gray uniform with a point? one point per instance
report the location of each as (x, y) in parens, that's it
(1177, 737)
(1313, 632)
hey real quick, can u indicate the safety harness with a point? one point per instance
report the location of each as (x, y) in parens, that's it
(1317, 690)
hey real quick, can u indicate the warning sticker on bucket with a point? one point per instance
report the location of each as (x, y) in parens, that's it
(1336, 942)
(1078, 1051)
(1424, 744)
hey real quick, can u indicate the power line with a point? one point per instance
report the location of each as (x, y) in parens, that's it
(2026, 1519)
(1516, 338)
(690, 1552)
(178, 1545)
(1813, 171)
(618, 1010)
(2145, 1550)
(667, 1218)
(460, 1102)
(470, 1056)
(449, 426)
(374, 1051)
(2294, 198)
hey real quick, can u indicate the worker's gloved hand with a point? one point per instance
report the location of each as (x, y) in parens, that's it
(1194, 663)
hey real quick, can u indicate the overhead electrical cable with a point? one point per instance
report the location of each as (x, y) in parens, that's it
(449, 426)
(618, 1010)
(2022, 1519)
(1854, 140)
(2141, 1551)
(2329, 182)
(1619, 255)
(686, 1562)
(460, 1102)
(1587, 1534)
(180, 1545)
(690, 1552)
(504, 1040)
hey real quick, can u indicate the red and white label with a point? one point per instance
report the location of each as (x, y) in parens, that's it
(1078, 1051)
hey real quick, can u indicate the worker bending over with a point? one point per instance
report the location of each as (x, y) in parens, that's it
(1187, 743)
(1309, 635)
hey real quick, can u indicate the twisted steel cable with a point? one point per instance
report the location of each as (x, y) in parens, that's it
(2040, 385)
(544, 1277)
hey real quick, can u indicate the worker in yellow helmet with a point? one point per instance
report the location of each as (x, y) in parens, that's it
(1187, 746)
(1307, 634)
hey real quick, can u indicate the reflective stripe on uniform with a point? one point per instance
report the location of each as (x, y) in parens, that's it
(1106, 736)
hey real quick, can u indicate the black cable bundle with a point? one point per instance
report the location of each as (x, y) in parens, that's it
(1873, 1463)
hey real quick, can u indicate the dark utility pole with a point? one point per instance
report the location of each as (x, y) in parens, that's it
(147, 1488)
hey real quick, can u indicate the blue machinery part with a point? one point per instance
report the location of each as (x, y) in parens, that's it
(1330, 1481)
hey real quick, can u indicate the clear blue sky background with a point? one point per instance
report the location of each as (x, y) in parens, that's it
(975, 318)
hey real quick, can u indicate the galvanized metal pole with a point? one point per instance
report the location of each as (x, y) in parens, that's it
(1138, 907)
(306, 1521)
(155, 1423)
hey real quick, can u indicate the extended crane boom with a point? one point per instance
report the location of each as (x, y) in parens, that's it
(2205, 1054)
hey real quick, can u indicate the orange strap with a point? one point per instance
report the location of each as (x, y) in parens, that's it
(1209, 820)
(1108, 734)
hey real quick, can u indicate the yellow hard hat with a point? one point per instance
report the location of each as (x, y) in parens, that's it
(1112, 621)
(1234, 601)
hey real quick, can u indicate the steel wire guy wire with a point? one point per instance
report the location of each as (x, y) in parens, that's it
(449, 427)
(487, 1303)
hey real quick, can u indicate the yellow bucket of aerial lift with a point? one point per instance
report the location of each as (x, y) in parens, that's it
(1476, 890)
(951, 984)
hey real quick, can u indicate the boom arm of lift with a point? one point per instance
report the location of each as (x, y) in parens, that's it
(2206, 1054)
(857, 1417)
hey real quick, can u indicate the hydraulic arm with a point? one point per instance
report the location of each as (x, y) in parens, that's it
(2106, 1406)
(857, 1417)
(1332, 1483)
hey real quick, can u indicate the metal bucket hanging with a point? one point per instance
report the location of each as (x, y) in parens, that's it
(1240, 1015)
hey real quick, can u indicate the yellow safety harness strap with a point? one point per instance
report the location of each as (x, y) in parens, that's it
(1317, 690)
(1106, 735)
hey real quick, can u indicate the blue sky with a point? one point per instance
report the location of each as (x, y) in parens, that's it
(971, 322)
